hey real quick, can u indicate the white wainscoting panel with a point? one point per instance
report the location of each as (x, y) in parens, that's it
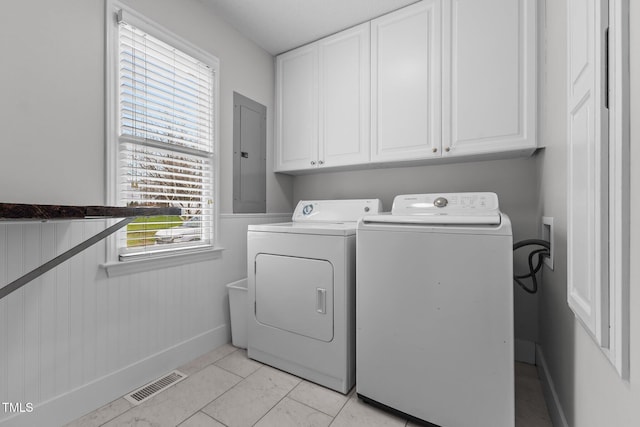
(74, 329)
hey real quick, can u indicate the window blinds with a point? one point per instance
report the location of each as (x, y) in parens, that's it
(165, 142)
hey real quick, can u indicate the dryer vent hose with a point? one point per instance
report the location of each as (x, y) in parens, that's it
(541, 252)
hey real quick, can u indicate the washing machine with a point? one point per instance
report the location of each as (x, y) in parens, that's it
(301, 288)
(434, 338)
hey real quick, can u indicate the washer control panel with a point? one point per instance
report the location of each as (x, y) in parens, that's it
(445, 204)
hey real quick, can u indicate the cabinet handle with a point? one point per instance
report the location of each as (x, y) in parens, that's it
(313, 163)
(321, 162)
(447, 149)
(435, 150)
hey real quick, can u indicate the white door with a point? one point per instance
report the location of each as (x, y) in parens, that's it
(297, 109)
(344, 97)
(295, 294)
(488, 76)
(405, 75)
(587, 194)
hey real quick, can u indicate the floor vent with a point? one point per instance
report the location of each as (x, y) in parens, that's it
(151, 389)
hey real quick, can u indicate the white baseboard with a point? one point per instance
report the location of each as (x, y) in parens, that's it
(525, 351)
(69, 406)
(549, 390)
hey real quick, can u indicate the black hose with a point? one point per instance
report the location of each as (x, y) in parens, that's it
(532, 270)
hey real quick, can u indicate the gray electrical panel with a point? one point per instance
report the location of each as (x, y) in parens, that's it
(249, 155)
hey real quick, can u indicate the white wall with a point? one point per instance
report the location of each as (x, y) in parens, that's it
(52, 103)
(588, 391)
(514, 180)
(74, 339)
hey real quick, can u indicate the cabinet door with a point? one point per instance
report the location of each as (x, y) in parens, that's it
(488, 76)
(344, 97)
(405, 74)
(297, 109)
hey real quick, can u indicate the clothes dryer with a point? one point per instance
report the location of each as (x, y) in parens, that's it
(301, 286)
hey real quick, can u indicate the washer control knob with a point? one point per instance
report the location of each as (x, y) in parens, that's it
(440, 202)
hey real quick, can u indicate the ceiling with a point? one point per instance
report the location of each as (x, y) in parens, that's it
(281, 25)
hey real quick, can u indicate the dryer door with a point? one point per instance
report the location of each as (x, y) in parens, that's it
(295, 294)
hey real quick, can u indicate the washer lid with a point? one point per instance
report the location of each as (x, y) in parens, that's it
(318, 228)
(442, 208)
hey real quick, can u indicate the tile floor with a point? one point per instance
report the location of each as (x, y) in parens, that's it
(225, 388)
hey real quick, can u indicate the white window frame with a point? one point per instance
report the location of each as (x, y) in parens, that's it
(114, 265)
(600, 300)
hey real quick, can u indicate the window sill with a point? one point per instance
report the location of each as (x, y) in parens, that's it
(121, 268)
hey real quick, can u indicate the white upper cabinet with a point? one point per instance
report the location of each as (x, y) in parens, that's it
(297, 109)
(437, 79)
(323, 102)
(344, 97)
(405, 90)
(489, 76)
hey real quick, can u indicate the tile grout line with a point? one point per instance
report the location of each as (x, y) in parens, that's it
(113, 418)
(349, 397)
(212, 363)
(203, 413)
(231, 372)
(227, 391)
(311, 407)
(316, 409)
(281, 399)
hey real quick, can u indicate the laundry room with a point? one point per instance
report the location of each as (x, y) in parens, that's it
(319, 212)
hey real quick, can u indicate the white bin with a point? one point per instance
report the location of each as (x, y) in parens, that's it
(238, 311)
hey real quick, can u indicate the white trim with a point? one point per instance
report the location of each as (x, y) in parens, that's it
(554, 406)
(69, 406)
(120, 268)
(158, 31)
(111, 119)
(619, 186)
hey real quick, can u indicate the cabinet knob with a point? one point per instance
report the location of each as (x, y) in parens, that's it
(447, 149)
(435, 150)
(313, 163)
(321, 162)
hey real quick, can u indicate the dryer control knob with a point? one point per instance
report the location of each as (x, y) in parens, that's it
(440, 202)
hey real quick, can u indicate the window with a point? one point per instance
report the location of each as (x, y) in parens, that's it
(161, 135)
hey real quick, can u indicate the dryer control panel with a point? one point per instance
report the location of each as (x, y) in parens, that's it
(335, 210)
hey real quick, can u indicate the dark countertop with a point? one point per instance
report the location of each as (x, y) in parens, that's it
(17, 211)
